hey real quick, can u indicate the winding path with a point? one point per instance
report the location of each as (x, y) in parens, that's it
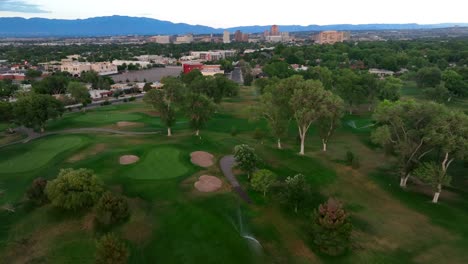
(227, 163)
(32, 135)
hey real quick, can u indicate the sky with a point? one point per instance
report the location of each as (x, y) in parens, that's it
(221, 14)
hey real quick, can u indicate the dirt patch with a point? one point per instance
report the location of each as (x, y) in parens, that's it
(98, 148)
(128, 124)
(128, 159)
(208, 183)
(202, 159)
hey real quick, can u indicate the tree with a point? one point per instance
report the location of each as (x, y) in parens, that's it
(262, 180)
(449, 133)
(34, 110)
(280, 69)
(331, 228)
(348, 87)
(435, 175)
(7, 89)
(322, 74)
(147, 87)
(390, 89)
(438, 94)
(330, 118)
(54, 84)
(159, 101)
(111, 209)
(6, 111)
(295, 191)
(79, 92)
(189, 77)
(274, 106)
(428, 77)
(35, 192)
(110, 250)
(246, 158)
(74, 189)
(199, 109)
(403, 126)
(32, 74)
(454, 83)
(308, 103)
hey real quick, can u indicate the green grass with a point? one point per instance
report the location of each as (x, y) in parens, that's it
(159, 163)
(38, 155)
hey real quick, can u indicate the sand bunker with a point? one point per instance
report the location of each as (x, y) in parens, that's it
(128, 159)
(202, 159)
(208, 183)
(128, 124)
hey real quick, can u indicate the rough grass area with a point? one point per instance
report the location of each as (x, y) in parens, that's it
(158, 164)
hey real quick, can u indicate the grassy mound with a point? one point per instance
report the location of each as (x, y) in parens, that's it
(159, 163)
(39, 154)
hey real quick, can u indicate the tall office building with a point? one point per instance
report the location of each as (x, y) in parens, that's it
(238, 36)
(274, 31)
(226, 37)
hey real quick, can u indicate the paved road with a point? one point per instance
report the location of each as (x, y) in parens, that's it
(236, 75)
(32, 135)
(227, 163)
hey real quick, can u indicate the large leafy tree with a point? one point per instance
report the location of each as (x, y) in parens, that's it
(349, 87)
(112, 209)
(331, 228)
(74, 189)
(246, 158)
(199, 109)
(389, 89)
(308, 103)
(435, 175)
(111, 250)
(54, 84)
(34, 110)
(158, 100)
(449, 133)
(403, 126)
(428, 77)
(7, 89)
(262, 181)
(79, 92)
(275, 108)
(330, 119)
(295, 191)
(454, 83)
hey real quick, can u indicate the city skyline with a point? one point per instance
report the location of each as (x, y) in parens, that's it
(357, 12)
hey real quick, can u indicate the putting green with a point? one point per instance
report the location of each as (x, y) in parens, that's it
(157, 164)
(38, 154)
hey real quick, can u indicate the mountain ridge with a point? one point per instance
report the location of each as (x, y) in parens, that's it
(126, 25)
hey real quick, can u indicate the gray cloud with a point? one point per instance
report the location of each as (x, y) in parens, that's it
(20, 6)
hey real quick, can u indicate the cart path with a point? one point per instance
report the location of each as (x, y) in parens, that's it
(227, 163)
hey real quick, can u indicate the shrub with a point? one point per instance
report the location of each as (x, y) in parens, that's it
(131, 99)
(106, 102)
(331, 229)
(35, 192)
(111, 250)
(349, 157)
(74, 189)
(262, 181)
(111, 209)
(234, 131)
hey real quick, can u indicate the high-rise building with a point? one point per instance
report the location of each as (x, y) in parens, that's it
(238, 36)
(226, 37)
(331, 37)
(274, 31)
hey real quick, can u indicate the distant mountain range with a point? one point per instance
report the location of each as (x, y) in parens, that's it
(124, 25)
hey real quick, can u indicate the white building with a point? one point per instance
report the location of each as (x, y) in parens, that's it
(184, 39)
(161, 39)
(226, 37)
(76, 68)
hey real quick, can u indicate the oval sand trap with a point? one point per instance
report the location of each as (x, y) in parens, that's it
(208, 183)
(202, 159)
(128, 159)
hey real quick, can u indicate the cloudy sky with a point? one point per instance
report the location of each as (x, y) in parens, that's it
(249, 12)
